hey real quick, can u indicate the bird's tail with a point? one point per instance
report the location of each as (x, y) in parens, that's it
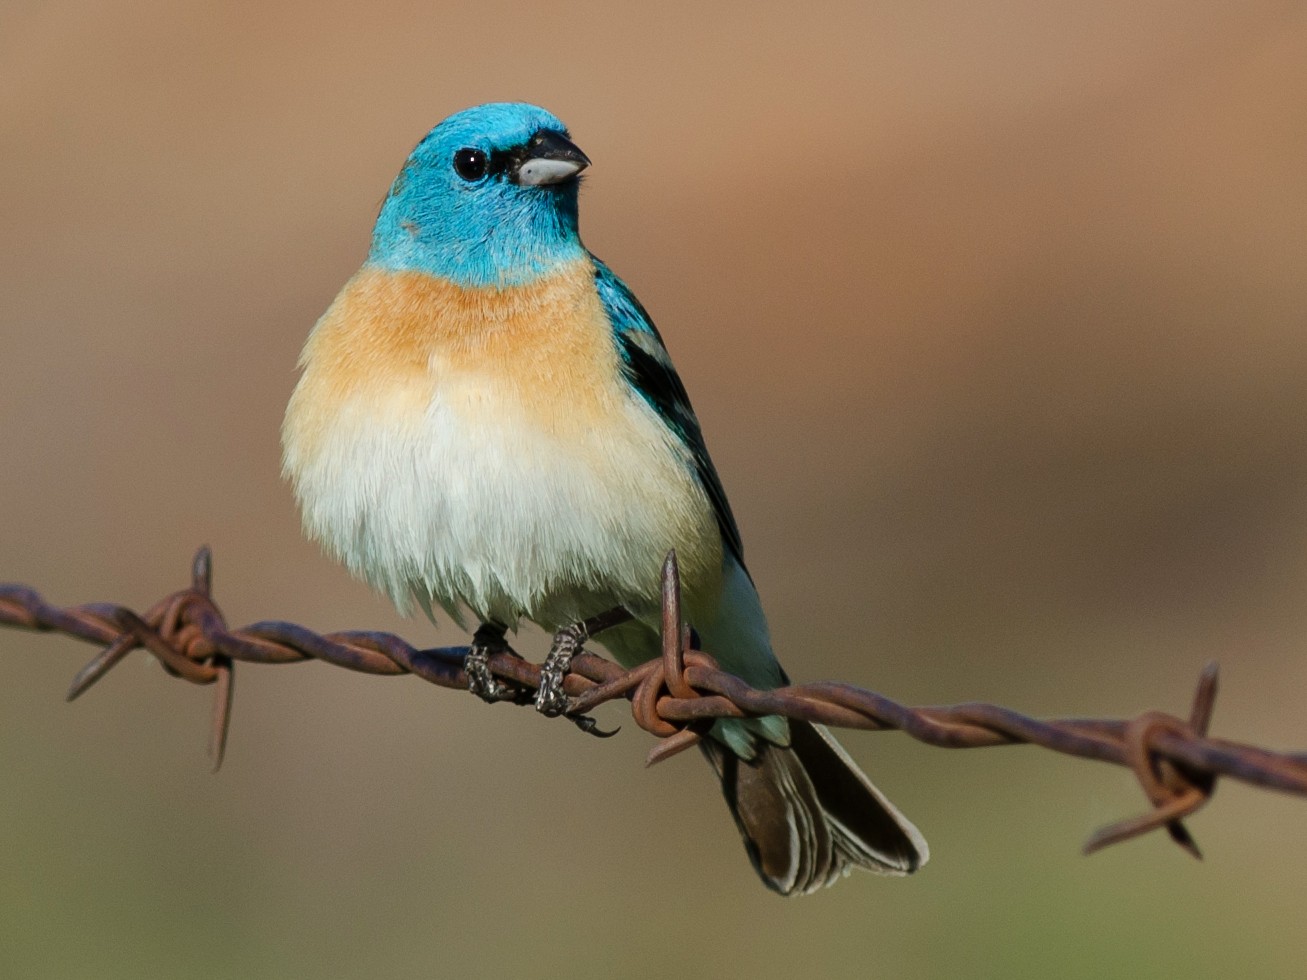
(807, 814)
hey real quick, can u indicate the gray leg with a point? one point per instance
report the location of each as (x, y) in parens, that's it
(488, 639)
(551, 701)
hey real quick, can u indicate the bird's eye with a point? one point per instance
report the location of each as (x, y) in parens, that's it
(470, 164)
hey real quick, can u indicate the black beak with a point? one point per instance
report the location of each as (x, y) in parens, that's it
(548, 158)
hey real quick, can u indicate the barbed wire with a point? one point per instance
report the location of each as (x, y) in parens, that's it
(676, 697)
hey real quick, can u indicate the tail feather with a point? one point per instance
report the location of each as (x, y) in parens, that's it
(807, 814)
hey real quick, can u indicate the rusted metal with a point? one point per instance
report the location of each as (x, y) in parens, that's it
(675, 697)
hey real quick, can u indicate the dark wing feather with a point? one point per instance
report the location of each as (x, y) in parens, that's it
(649, 370)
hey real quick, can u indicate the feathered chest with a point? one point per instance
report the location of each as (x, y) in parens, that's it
(483, 446)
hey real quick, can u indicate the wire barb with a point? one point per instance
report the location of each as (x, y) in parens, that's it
(675, 697)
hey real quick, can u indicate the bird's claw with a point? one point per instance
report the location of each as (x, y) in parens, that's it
(480, 681)
(591, 727)
(487, 640)
(551, 701)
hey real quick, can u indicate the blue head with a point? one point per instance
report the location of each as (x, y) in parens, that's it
(488, 198)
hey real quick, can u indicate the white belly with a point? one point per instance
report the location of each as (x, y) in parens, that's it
(473, 502)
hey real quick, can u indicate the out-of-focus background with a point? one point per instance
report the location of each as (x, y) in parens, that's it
(994, 317)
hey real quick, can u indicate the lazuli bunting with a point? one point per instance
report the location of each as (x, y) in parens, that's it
(488, 421)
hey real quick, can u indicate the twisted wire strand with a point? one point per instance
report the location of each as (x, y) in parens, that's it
(675, 697)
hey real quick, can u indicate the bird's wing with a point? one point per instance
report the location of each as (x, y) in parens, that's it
(648, 369)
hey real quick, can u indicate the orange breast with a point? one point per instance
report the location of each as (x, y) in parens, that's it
(391, 338)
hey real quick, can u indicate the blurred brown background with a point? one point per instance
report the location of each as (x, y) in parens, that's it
(993, 314)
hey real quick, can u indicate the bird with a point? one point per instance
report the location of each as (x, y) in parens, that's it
(487, 421)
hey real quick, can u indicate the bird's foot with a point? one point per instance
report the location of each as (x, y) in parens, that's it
(551, 701)
(487, 640)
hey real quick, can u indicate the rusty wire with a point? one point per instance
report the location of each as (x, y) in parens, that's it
(675, 697)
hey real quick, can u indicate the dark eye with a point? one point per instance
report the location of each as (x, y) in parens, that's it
(470, 164)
